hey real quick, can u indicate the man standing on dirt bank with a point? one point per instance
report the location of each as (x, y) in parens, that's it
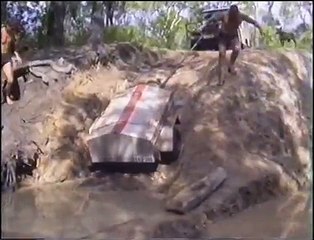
(228, 37)
(8, 40)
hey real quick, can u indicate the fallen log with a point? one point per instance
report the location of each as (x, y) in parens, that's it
(41, 72)
(58, 66)
(41, 69)
(192, 196)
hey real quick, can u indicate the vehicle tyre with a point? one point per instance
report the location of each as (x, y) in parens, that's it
(171, 156)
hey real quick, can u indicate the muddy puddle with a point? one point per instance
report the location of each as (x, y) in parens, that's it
(285, 218)
(86, 212)
(76, 212)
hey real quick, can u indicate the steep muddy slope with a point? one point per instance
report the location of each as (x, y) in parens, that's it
(256, 126)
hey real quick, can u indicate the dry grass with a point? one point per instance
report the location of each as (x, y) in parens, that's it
(237, 126)
(83, 100)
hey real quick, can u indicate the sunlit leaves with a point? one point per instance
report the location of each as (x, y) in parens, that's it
(154, 23)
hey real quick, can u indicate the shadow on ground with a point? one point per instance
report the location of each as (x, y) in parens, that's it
(256, 126)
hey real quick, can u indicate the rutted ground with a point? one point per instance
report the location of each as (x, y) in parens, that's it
(256, 126)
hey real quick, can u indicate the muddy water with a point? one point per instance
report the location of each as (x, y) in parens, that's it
(285, 217)
(94, 213)
(64, 212)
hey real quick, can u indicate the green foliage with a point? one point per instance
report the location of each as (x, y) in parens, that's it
(80, 38)
(166, 29)
(271, 40)
(128, 34)
(306, 41)
(136, 35)
(123, 34)
(163, 26)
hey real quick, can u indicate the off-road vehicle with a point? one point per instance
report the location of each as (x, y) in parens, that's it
(138, 131)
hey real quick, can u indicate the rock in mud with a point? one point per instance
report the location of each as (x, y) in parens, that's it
(165, 176)
(132, 229)
(178, 228)
(191, 196)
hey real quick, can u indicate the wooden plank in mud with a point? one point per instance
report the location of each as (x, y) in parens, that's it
(193, 195)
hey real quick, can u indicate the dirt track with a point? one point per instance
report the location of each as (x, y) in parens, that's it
(256, 126)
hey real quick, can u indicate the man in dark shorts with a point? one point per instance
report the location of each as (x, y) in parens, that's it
(8, 41)
(228, 37)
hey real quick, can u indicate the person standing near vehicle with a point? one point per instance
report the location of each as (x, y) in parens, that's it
(9, 33)
(228, 37)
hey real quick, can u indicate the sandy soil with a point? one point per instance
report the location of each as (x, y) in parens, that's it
(256, 127)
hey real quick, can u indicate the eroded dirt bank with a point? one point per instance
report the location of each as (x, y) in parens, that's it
(256, 126)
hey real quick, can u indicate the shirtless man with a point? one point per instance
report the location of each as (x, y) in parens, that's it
(8, 40)
(228, 37)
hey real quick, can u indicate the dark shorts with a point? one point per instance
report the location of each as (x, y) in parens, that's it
(226, 39)
(5, 58)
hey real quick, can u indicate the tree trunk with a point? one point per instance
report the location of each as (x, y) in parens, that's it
(94, 8)
(97, 15)
(256, 38)
(109, 12)
(3, 11)
(270, 7)
(97, 25)
(55, 26)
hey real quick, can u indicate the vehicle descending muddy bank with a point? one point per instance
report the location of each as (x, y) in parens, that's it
(256, 127)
